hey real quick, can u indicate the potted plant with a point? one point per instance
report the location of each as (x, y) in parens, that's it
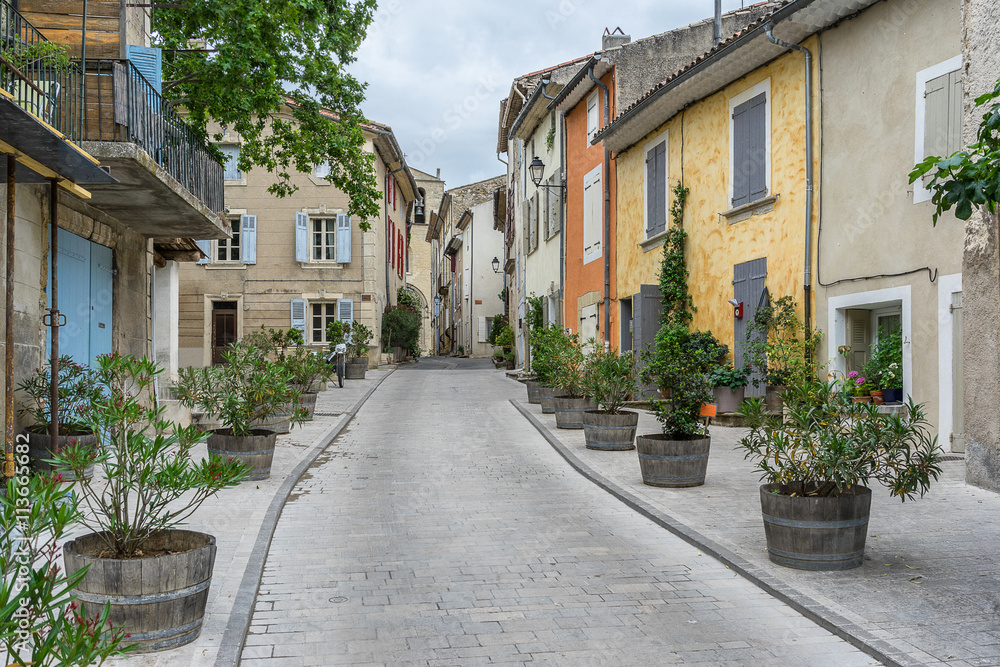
(505, 341)
(884, 368)
(359, 338)
(729, 385)
(779, 350)
(817, 463)
(544, 344)
(306, 371)
(609, 379)
(154, 576)
(857, 387)
(678, 456)
(570, 401)
(246, 391)
(78, 386)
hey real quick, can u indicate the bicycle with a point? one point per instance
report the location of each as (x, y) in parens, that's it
(338, 357)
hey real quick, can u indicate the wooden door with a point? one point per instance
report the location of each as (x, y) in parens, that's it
(223, 330)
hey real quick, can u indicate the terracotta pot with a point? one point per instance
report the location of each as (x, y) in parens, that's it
(877, 398)
(861, 399)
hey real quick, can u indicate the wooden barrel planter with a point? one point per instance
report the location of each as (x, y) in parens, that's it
(534, 391)
(811, 533)
(729, 399)
(546, 398)
(256, 451)
(40, 449)
(608, 432)
(569, 410)
(159, 601)
(772, 398)
(280, 421)
(307, 400)
(672, 463)
(355, 368)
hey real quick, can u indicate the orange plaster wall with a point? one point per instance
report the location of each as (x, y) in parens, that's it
(581, 158)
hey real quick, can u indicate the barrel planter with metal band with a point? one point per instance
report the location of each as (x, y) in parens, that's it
(355, 368)
(569, 410)
(546, 397)
(672, 463)
(610, 432)
(40, 449)
(534, 391)
(729, 399)
(160, 600)
(307, 401)
(256, 451)
(815, 533)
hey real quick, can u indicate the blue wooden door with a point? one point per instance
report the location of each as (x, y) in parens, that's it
(100, 300)
(85, 298)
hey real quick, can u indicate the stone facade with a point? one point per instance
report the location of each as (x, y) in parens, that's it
(420, 269)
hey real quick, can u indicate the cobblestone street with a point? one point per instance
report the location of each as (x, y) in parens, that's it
(440, 528)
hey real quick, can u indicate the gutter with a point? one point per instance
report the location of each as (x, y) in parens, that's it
(607, 211)
(807, 277)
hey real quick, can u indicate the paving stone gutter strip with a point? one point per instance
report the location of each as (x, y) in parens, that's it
(231, 646)
(808, 607)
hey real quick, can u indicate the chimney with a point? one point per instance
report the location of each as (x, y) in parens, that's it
(438, 174)
(614, 39)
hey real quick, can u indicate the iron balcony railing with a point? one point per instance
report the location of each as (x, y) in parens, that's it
(38, 75)
(123, 106)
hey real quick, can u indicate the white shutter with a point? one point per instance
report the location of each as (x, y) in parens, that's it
(206, 247)
(248, 239)
(593, 209)
(343, 238)
(483, 334)
(299, 315)
(466, 282)
(301, 237)
(345, 313)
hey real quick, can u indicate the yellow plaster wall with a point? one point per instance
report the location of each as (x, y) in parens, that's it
(714, 246)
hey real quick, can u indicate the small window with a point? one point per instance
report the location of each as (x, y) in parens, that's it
(592, 122)
(232, 170)
(321, 170)
(321, 314)
(323, 239)
(228, 250)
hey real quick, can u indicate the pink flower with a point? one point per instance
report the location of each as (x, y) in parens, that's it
(859, 381)
(852, 374)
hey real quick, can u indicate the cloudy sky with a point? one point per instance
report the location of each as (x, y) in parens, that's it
(437, 69)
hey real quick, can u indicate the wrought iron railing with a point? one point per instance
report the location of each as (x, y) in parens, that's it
(40, 78)
(123, 106)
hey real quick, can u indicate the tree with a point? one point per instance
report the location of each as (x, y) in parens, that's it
(260, 55)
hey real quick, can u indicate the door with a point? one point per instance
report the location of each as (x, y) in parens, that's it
(223, 328)
(86, 291)
(647, 306)
(588, 326)
(958, 376)
(749, 280)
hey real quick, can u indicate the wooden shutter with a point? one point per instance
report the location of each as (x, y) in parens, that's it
(554, 203)
(749, 279)
(248, 239)
(231, 170)
(656, 189)
(400, 252)
(205, 247)
(859, 338)
(298, 307)
(526, 226)
(148, 60)
(483, 333)
(593, 209)
(757, 125)
(741, 155)
(955, 114)
(592, 111)
(533, 221)
(466, 283)
(936, 108)
(343, 238)
(345, 310)
(301, 237)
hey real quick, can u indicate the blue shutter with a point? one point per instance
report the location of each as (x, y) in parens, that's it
(301, 237)
(748, 286)
(757, 125)
(345, 313)
(148, 60)
(299, 315)
(741, 155)
(343, 238)
(206, 247)
(231, 168)
(248, 239)
(656, 189)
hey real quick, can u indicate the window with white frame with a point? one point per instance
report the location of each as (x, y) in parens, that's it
(320, 315)
(750, 145)
(228, 250)
(231, 168)
(938, 111)
(592, 121)
(656, 186)
(323, 239)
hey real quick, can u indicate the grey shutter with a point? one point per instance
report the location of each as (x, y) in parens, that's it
(647, 305)
(860, 338)
(148, 60)
(534, 220)
(543, 212)
(955, 114)
(741, 155)
(205, 247)
(231, 170)
(656, 189)
(343, 238)
(301, 237)
(650, 192)
(748, 286)
(298, 319)
(757, 125)
(936, 116)
(248, 239)
(526, 228)
(345, 313)
(554, 202)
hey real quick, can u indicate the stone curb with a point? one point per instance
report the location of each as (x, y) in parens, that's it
(231, 646)
(811, 609)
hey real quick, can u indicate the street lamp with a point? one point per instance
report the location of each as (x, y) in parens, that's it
(496, 265)
(537, 171)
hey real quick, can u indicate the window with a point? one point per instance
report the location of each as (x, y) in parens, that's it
(592, 122)
(232, 170)
(593, 215)
(321, 170)
(321, 314)
(938, 115)
(656, 186)
(323, 239)
(750, 145)
(228, 250)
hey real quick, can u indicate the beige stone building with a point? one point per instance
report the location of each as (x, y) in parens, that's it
(299, 261)
(419, 267)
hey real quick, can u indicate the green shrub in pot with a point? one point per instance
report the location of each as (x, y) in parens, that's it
(609, 378)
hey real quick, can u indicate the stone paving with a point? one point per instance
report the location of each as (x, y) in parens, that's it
(440, 528)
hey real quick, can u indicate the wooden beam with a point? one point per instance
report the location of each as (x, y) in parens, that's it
(181, 255)
(42, 170)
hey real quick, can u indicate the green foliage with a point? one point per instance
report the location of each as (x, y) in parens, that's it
(247, 389)
(408, 298)
(152, 482)
(679, 368)
(361, 338)
(677, 303)
(78, 387)
(778, 346)
(544, 344)
(726, 375)
(307, 369)
(506, 336)
(534, 318)
(970, 178)
(265, 52)
(401, 328)
(609, 378)
(827, 444)
(884, 368)
(496, 325)
(40, 624)
(336, 333)
(44, 54)
(550, 136)
(569, 364)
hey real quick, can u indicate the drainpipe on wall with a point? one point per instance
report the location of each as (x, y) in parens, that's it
(9, 468)
(718, 22)
(807, 278)
(53, 315)
(606, 178)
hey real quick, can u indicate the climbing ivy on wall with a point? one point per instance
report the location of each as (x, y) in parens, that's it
(678, 308)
